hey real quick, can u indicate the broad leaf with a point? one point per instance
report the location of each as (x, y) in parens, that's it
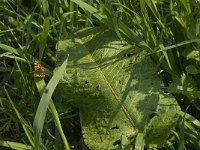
(117, 90)
(187, 87)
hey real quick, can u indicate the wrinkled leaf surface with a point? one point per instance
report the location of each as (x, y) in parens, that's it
(117, 90)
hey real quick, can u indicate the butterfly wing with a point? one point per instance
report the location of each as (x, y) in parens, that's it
(39, 71)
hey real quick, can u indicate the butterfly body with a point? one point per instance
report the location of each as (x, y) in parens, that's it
(39, 71)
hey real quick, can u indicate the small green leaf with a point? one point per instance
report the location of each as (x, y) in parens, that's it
(191, 69)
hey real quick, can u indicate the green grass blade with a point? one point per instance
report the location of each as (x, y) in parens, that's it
(45, 6)
(9, 49)
(8, 55)
(139, 143)
(170, 145)
(167, 58)
(15, 145)
(178, 45)
(44, 102)
(71, 8)
(41, 85)
(43, 37)
(123, 28)
(27, 128)
(100, 16)
(186, 4)
(6, 69)
(45, 31)
(62, 30)
(54, 113)
(190, 118)
(25, 57)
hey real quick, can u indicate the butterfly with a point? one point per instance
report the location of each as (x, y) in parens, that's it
(39, 71)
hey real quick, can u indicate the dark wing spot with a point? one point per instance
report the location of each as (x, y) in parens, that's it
(118, 142)
(115, 127)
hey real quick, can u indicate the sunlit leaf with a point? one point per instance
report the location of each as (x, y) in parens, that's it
(117, 90)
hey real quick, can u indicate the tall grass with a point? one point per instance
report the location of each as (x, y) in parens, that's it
(169, 30)
(30, 32)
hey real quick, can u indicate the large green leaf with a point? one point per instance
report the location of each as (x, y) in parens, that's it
(117, 90)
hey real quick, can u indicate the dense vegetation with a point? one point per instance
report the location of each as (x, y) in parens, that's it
(119, 74)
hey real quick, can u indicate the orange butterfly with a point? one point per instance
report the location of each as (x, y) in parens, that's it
(39, 71)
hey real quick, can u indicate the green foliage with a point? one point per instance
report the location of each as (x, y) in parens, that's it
(116, 89)
(164, 32)
(42, 107)
(14, 145)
